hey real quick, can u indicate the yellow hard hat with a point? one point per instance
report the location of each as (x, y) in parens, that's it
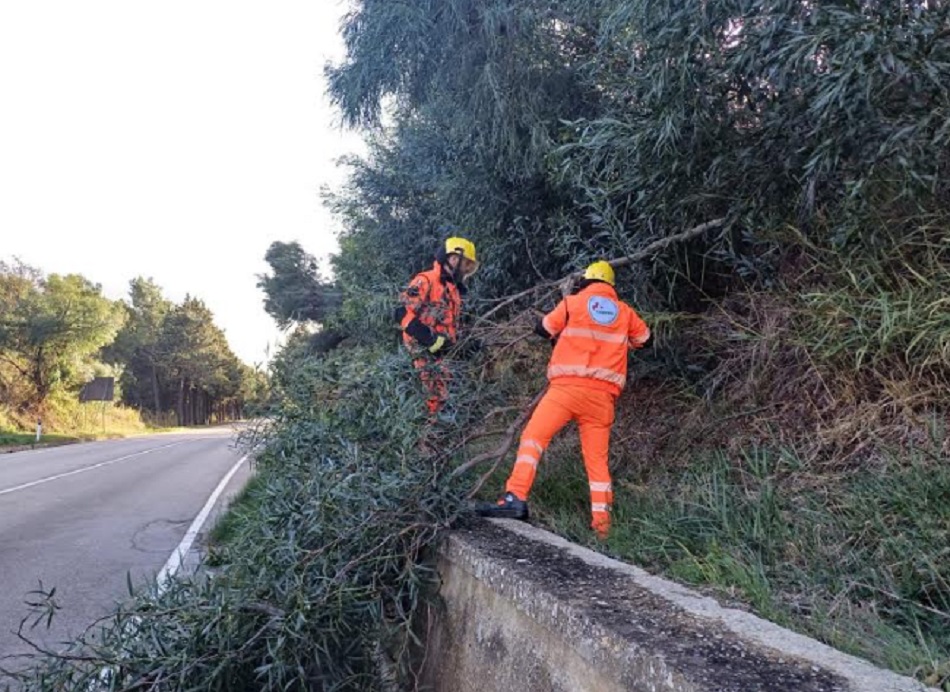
(600, 271)
(465, 248)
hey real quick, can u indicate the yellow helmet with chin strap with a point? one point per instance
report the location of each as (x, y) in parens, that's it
(461, 246)
(464, 249)
(600, 271)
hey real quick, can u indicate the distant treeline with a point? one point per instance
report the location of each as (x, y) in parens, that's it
(58, 332)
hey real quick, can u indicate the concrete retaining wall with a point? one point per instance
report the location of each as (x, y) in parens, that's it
(525, 611)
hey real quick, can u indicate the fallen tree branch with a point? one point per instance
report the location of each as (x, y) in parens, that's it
(664, 243)
(502, 449)
(650, 249)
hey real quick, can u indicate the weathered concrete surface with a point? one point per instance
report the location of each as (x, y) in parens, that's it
(525, 610)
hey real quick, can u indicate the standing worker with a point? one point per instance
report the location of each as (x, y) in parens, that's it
(592, 330)
(430, 312)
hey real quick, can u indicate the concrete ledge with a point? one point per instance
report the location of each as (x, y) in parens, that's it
(525, 610)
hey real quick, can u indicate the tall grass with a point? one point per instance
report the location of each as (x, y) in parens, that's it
(860, 561)
(883, 302)
(787, 448)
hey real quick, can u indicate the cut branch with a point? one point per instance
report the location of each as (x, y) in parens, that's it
(649, 250)
(502, 449)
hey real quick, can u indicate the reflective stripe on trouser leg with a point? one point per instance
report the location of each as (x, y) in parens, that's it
(549, 417)
(594, 426)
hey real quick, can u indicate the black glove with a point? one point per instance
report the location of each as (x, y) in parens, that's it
(436, 344)
(541, 331)
(420, 332)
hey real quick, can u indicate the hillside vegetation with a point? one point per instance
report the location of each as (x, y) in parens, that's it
(783, 442)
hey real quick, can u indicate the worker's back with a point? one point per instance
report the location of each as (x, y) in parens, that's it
(594, 331)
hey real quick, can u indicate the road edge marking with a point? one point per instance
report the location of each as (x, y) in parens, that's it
(174, 562)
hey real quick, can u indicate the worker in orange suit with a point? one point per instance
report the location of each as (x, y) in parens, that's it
(593, 330)
(429, 315)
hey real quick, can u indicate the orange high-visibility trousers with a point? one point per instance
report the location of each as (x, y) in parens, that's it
(593, 409)
(435, 381)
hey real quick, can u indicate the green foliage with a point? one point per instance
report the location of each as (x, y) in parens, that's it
(51, 329)
(318, 582)
(241, 510)
(886, 303)
(553, 134)
(16, 439)
(176, 357)
(558, 133)
(58, 332)
(136, 345)
(194, 354)
(295, 292)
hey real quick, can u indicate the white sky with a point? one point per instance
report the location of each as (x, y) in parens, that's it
(174, 140)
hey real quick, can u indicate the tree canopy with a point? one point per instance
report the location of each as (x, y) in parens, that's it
(555, 133)
(295, 292)
(51, 328)
(57, 332)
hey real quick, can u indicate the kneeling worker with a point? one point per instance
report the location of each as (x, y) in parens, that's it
(587, 371)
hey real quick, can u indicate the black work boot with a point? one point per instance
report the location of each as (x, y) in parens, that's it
(508, 507)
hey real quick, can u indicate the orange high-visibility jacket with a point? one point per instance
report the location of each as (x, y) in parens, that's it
(594, 329)
(433, 301)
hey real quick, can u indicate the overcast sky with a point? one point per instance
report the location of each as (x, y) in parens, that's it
(173, 140)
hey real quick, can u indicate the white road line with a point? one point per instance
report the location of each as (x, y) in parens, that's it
(177, 557)
(109, 462)
(82, 445)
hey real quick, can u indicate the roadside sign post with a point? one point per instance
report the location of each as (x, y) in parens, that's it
(100, 389)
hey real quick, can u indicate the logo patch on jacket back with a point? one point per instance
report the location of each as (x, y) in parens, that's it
(602, 310)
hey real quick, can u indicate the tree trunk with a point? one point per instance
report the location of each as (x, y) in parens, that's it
(181, 402)
(39, 382)
(155, 395)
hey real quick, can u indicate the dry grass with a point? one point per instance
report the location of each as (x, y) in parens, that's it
(85, 421)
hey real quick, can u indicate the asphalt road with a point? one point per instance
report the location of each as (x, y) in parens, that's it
(83, 517)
